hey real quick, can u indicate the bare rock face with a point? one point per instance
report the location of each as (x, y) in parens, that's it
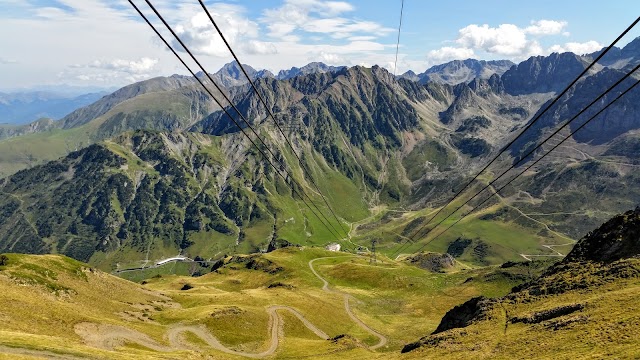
(463, 71)
(463, 315)
(541, 74)
(432, 261)
(618, 238)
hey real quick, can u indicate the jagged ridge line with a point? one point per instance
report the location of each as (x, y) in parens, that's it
(272, 117)
(226, 112)
(520, 134)
(538, 160)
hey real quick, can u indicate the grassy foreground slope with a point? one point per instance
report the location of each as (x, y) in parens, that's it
(585, 306)
(53, 305)
(307, 302)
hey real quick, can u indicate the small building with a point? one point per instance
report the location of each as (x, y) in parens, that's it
(176, 258)
(333, 247)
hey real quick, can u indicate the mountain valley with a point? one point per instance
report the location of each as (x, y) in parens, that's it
(152, 226)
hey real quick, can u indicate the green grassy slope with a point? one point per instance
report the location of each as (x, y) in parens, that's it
(52, 304)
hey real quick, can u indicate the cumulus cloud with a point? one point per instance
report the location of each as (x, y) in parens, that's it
(449, 53)
(508, 41)
(546, 27)
(577, 48)
(255, 47)
(201, 37)
(328, 58)
(142, 66)
(318, 17)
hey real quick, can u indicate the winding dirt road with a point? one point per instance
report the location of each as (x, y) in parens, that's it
(347, 307)
(108, 337)
(111, 336)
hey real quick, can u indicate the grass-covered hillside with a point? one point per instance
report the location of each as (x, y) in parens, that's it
(307, 302)
(582, 307)
(148, 195)
(56, 306)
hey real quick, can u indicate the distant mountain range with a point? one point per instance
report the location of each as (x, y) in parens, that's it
(459, 71)
(156, 167)
(24, 107)
(231, 75)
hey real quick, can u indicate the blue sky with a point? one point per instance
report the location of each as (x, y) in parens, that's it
(104, 43)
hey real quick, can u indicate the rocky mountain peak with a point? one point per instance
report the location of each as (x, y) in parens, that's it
(410, 75)
(541, 74)
(233, 70)
(313, 67)
(459, 71)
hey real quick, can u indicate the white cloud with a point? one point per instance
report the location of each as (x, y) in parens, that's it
(577, 48)
(111, 71)
(505, 40)
(318, 17)
(200, 36)
(449, 53)
(361, 38)
(546, 27)
(328, 58)
(255, 47)
(142, 66)
(335, 7)
(51, 13)
(112, 32)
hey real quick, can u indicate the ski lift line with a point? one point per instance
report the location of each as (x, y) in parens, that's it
(235, 108)
(605, 51)
(227, 113)
(533, 164)
(395, 65)
(557, 98)
(304, 169)
(526, 156)
(232, 104)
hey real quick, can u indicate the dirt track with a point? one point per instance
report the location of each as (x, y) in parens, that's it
(347, 307)
(109, 337)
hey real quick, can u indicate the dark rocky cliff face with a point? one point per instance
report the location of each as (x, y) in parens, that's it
(618, 238)
(463, 315)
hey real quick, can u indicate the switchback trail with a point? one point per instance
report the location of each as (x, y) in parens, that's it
(108, 337)
(111, 336)
(382, 339)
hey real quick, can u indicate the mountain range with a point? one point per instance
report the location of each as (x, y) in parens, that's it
(25, 107)
(157, 168)
(460, 71)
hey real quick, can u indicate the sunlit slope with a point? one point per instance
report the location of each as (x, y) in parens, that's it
(52, 304)
(148, 195)
(585, 306)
